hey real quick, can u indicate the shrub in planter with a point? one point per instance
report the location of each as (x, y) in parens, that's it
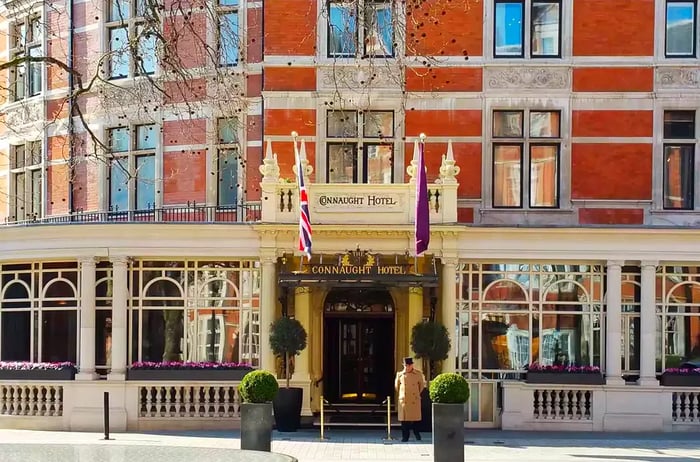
(430, 341)
(257, 390)
(449, 392)
(287, 339)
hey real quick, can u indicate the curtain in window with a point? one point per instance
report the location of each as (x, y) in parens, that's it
(507, 176)
(679, 166)
(379, 36)
(543, 176)
(545, 29)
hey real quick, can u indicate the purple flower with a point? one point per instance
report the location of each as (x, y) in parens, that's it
(28, 366)
(570, 369)
(190, 365)
(682, 371)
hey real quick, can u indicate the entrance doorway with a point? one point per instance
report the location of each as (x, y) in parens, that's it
(358, 346)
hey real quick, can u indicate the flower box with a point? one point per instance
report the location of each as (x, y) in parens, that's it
(188, 371)
(36, 371)
(681, 377)
(565, 378)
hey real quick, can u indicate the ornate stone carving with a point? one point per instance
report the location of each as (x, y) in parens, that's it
(449, 169)
(678, 77)
(306, 168)
(270, 169)
(354, 77)
(528, 77)
(24, 113)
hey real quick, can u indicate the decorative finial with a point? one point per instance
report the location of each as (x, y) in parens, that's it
(422, 137)
(294, 134)
(268, 151)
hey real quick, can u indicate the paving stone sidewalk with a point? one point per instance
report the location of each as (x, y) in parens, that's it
(369, 446)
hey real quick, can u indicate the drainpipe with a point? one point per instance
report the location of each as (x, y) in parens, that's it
(71, 127)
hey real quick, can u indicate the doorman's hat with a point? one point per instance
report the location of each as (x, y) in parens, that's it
(408, 360)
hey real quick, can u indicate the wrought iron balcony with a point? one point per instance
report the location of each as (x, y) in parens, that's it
(190, 213)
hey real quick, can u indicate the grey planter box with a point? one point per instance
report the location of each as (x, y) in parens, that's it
(566, 378)
(680, 380)
(187, 374)
(256, 426)
(448, 432)
(38, 374)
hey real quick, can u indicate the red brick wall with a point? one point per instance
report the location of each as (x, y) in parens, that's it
(611, 171)
(613, 28)
(604, 123)
(443, 123)
(611, 216)
(444, 28)
(290, 27)
(290, 78)
(592, 79)
(184, 177)
(444, 79)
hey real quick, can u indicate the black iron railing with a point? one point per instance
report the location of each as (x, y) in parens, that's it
(190, 213)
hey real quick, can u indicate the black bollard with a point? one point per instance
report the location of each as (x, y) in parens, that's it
(106, 414)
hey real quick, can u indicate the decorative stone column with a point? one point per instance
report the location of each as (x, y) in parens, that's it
(415, 313)
(647, 373)
(302, 313)
(268, 301)
(120, 298)
(448, 309)
(613, 325)
(87, 319)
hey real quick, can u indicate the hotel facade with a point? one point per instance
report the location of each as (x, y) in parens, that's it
(561, 140)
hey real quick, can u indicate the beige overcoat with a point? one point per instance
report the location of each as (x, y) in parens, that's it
(409, 385)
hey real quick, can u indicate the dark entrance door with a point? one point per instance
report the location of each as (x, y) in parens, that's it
(358, 357)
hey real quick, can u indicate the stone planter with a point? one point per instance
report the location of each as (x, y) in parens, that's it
(256, 426)
(566, 378)
(287, 407)
(680, 380)
(38, 374)
(448, 432)
(187, 374)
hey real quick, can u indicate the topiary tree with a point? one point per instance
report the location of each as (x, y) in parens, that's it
(287, 339)
(430, 340)
(258, 387)
(449, 388)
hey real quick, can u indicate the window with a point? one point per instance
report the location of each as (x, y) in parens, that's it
(361, 147)
(128, 24)
(26, 39)
(680, 29)
(679, 159)
(227, 163)
(511, 35)
(526, 158)
(227, 32)
(132, 172)
(26, 181)
(366, 22)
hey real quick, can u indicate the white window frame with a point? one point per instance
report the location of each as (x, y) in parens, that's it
(28, 169)
(220, 146)
(565, 34)
(222, 10)
(132, 24)
(26, 46)
(323, 37)
(132, 154)
(662, 27)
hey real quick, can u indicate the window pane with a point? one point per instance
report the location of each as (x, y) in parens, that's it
(544, 124)
(228, 177)
(35, 28)
(19, 156)
(119, 139)
(379, 124)
(507, 181)
(509, 29)
(680, 28)
(19, 35)
(545, 29)
(119, 49)
(20, 206)
(679, 165)
(141, 7)
(228, 2)
(162, 335)
(379, 29)
(228, 39)
(59, 334)
(508, 124)
(544, 176)
(103, 338)
(342, 29)
(228, 131)
(16, 336)
(35, 73)
(379, 164)
(342, 124)
(36, 192)
(145, 182)
(119, 10)
(342, 163)
(118, 184)
(20, 79)
(679, 124)
(147, 53)
(146, 137)
(34, 153)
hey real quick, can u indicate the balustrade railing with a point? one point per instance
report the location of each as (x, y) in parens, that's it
(562, 404)
(189, 401)
(35, 400)
(685, 407)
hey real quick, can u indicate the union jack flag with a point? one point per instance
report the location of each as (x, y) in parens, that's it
(304, 217)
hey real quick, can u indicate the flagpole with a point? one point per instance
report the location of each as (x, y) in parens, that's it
(422, 211)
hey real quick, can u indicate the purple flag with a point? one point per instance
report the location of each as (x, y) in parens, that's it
(422, 213)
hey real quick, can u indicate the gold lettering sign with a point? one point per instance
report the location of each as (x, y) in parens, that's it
(358, 270)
